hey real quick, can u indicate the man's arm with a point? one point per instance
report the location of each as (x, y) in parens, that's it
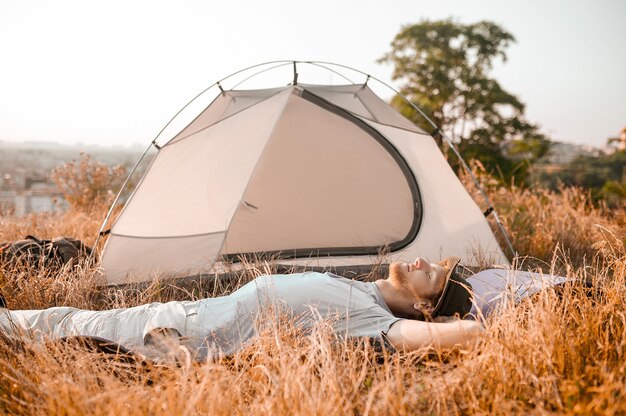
(409, 335)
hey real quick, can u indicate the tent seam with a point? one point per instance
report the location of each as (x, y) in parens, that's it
(374, 118)
(245, 189)
(194, 119)
(220, 120)
(167, 237)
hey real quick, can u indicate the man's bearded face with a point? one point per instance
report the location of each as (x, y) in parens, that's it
(419, 279)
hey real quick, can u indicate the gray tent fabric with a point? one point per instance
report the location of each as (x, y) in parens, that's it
(498, 288)
(316, 175)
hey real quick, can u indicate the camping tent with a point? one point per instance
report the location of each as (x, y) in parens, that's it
(315, 175)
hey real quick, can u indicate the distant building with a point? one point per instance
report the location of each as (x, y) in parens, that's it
(20, 195)
(25, 168)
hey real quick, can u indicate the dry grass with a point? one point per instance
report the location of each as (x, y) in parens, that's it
(82, 224)
(555, 231)
(563, 354)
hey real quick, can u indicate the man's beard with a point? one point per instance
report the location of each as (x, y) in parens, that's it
(398, 277)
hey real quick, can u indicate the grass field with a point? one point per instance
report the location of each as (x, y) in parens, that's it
(562, 355)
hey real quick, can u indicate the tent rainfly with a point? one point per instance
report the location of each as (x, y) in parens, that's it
(316, 175)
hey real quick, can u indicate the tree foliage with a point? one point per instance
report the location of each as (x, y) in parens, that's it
(444, 67)
(88, 184)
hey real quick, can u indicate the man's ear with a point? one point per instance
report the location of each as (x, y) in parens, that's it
(424, 307)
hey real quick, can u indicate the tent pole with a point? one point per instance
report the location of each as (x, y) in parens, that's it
(295, 74)
(259, 72)
(117, 197)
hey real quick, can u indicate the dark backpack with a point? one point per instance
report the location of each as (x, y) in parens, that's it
(48, 253)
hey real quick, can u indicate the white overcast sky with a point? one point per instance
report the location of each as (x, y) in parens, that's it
(114, 72)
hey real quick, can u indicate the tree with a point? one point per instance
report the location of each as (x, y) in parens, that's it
(88, 184)
(444, 69)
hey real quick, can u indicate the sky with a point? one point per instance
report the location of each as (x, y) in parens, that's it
(115, 72)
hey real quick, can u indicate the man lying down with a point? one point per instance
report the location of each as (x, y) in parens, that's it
(408, 310)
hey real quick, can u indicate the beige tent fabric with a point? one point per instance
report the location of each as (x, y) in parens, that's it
(192, 188)
(135, 259)
(277, 169)
(194, 185)
(452, 225)
(321, 182)
(225, 105)
(362, 101)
